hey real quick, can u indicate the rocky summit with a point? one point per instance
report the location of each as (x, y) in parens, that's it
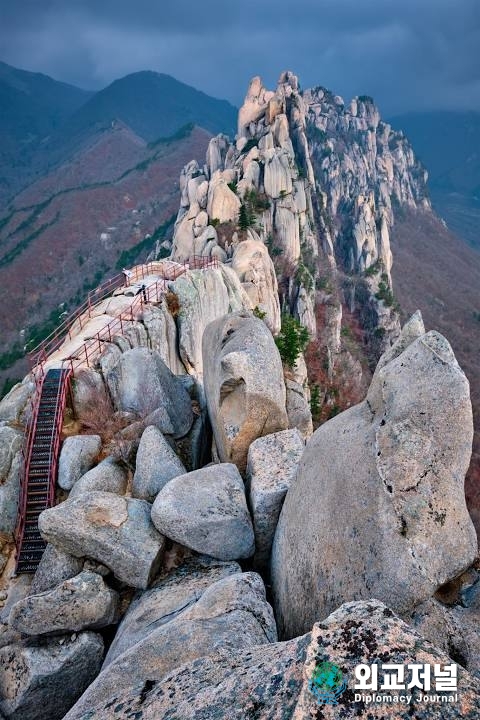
(251, 501)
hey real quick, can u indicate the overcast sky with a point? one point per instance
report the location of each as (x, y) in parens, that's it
(408, 54)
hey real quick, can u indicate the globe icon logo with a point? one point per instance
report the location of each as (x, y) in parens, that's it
(327, 683)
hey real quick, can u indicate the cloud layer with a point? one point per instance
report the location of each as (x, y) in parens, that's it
(410, 54)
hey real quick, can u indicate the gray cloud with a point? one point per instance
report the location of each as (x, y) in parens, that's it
(414, 54)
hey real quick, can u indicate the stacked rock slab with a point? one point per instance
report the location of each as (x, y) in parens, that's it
(116, 531)
(167, 599)
(41, 681)
(271, 681)
(231, 614)
(378, 507)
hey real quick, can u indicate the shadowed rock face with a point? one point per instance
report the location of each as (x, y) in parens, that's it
(243, 383)
(378, 507)
(41, 681)
(271, 681)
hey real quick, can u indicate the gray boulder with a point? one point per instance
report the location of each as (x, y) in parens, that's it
(114, 530)
(298, 408)
(230, 615)
(271, 468)
(140, 382)
(14, 404)
(169, 598)
(156, 464)
(206, 510)
(204, 296)
(82, 602)
(11, 463)
(78, 455)
(55, 567)
(244, 384)
(271, 681)
(107, 476)
(378, 506)
(42, 681)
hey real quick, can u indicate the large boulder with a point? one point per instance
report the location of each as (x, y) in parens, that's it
(108, 476)
(14, 404)
(271, 468)
(156, 464)
(79, 603)
(230, 615)
(162, 333)
(77, 456)
(244, 384)
(273, 681)
(254, 267)
(206, 510)
(170, 597)
(55, 566)
(88, 389)
(114, 530)
(222, 204)
(204, 296)
(140, 382)
(42, 681)
(11, 463)
(298, 408)
(378, 507)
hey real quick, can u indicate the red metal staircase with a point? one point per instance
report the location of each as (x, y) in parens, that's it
(41, 451)
(44, 427)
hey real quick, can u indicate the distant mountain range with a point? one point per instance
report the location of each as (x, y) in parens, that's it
(44, 122)
(448, 144)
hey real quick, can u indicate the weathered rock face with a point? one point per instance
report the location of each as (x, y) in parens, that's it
(156, 464)
(452, 629)
(255, 270)
(362, 632)
(271, 681)
(271, 467)
(10, 465)
(13, 405)
(221, 686)
(87, 388)
(82, 602)
(114, 530)
(206, 510)
(231, 614)
(140, 382)
(298, 408)
(399, 459)
(107, 476)
(170, 597)
(76, 458)
(162, 334)
(42, 681)
(244, 385)
(204, 296)
(55, 567)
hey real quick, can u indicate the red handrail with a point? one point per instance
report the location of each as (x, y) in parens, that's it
(88, 351)
(53, 341)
